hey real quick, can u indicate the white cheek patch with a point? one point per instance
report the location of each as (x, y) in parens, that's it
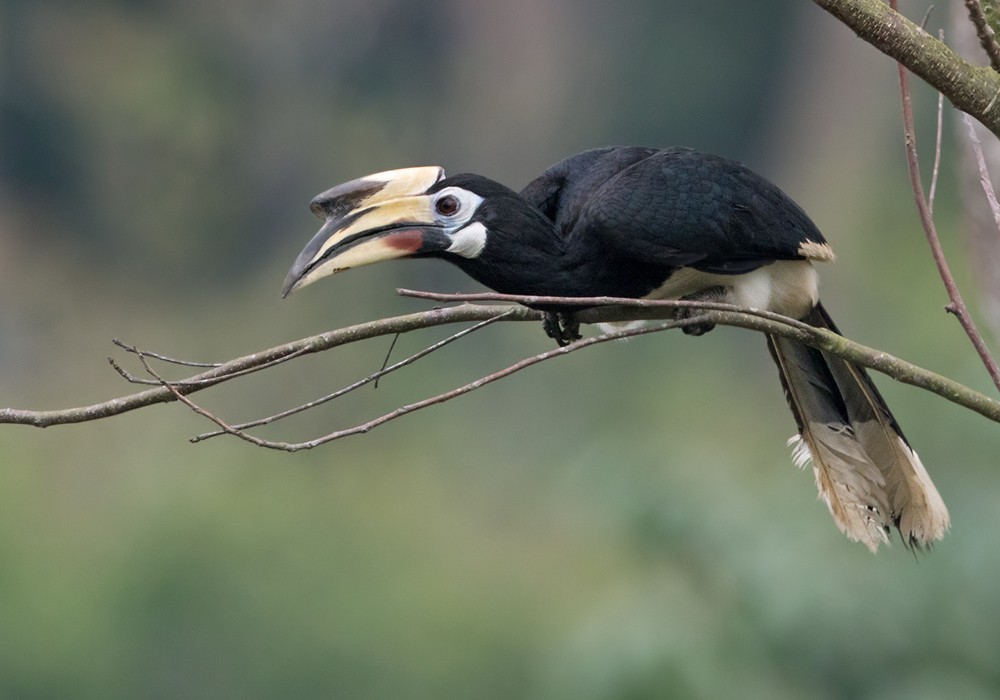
(468, 241)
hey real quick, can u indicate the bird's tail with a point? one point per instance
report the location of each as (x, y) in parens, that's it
(865, 469)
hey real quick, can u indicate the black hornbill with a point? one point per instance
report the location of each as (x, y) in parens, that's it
(649, 223)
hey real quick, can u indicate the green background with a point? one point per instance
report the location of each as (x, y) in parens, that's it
(622, 523)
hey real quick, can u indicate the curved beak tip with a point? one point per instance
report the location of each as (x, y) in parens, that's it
(358, 216)
(292, 279)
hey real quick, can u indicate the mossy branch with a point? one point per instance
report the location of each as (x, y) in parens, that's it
(972, 89)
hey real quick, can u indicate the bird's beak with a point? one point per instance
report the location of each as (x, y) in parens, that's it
(374, 218)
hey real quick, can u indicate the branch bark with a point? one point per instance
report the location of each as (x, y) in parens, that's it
(972, 89)
(255, 362)
(610, 310)
(773, 324)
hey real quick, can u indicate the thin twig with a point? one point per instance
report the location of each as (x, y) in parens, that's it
(471, 386)
(129, 377)
(195, 407)
(385, 362)
(361, 382)
(957, 304)
(211, 381)
(937, 144)
(163, 358)
(196, 382)
(984, 32)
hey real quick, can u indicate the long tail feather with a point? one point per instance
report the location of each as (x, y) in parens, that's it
(866, 471)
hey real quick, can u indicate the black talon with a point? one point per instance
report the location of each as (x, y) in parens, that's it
(717, 294)
(561, 327)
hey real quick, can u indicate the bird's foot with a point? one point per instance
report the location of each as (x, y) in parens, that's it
(717, 294)
(561, 327)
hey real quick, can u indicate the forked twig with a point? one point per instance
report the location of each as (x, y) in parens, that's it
(191, 404)
(194, 382)
(444, 396)
(163, 358)
(374, 377)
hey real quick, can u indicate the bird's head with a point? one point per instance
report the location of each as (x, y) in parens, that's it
(412, 212)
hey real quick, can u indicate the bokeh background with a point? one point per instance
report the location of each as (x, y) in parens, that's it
(622, 523)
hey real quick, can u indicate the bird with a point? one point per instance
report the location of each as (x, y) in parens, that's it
(652, 223)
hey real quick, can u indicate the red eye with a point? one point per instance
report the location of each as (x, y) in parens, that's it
(448, 205)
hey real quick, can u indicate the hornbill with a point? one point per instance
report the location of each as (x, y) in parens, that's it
(655, 224)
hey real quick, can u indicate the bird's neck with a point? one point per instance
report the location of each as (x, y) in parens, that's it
(534, 262)
(540, 261)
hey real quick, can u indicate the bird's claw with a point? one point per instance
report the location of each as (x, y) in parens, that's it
(561, 327)
(683, 313)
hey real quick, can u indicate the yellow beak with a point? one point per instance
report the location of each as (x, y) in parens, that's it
(378, 217)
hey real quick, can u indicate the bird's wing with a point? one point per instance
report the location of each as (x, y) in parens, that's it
(564, 189)
(685, 208)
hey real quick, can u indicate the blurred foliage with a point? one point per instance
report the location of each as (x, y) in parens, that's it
(622, 523)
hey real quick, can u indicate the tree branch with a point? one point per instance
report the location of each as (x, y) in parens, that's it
(442, 397)
(608, 309)
(764, 322)
(972, 89)
(256, 361)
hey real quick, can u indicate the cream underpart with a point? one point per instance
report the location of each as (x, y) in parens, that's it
(787, 287)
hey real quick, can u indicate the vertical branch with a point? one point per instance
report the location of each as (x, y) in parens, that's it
(956, 304)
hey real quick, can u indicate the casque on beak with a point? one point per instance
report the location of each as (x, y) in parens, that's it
(374, 218)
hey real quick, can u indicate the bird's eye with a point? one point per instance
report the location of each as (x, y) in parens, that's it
(448, 205)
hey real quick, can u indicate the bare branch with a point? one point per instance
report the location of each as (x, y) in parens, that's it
(764, 322)
(722, 314)
(957, 304)
(464, 389)
(624, 308)
(228, 370)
